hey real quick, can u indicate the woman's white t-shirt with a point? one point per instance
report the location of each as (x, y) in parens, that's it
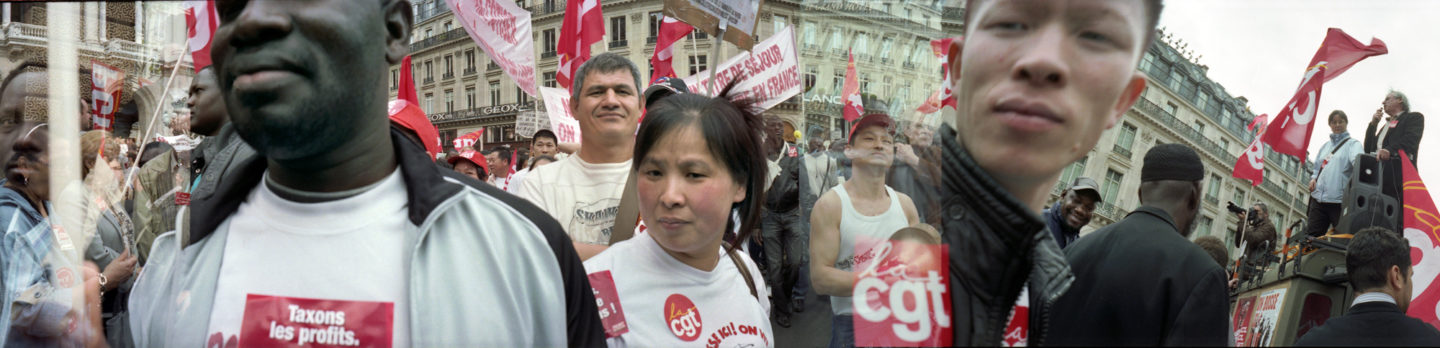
(666, 303)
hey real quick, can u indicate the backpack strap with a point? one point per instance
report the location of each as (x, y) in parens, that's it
(744, 271)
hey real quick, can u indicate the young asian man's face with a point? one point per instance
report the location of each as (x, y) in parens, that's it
(1040, 80)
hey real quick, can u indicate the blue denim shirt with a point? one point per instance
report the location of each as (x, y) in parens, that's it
(1332, 178)
(23, 249)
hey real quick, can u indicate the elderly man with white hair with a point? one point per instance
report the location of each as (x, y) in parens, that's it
(1400, 131)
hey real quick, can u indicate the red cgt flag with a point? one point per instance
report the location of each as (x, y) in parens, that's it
(1290, 133)
(468, 140)
(407, 83)
(1422, 229)
(850, 92)
(671, 31)
(1251, 164)
(200, 29)
(583, 25)
(941, 49)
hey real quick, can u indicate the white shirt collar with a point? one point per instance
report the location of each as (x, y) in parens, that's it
(1373, 297)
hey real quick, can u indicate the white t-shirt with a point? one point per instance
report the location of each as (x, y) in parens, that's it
(583, 197)
(666, 303)
(515, 179)
(502, 183)
(349, 252)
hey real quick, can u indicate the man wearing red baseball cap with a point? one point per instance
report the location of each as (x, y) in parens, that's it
(861, 207)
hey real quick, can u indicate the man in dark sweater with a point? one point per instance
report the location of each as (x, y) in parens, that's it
(1141, 282)
(1378, 265)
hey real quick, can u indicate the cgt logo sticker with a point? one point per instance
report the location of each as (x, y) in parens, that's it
(683, 317)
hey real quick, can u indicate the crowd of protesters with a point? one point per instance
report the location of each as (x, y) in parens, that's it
(296, 193)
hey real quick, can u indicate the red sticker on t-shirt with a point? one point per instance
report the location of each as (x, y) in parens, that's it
(612, 316)
(683, 317)
(182, 198)
(276, 321)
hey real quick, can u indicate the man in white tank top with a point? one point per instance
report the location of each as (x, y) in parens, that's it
(848, 220)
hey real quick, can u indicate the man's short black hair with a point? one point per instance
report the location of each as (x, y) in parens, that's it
(544, 133)
(1152, 19)
(502, 151)
(1370, 256)
(604, 63)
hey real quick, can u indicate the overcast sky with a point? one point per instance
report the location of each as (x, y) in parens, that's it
(1259, 50)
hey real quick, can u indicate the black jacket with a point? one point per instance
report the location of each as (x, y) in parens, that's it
(1372, 324)
(915, 181)
(997, 247)
(1138, 282)
(1405, 136)
(784, 193)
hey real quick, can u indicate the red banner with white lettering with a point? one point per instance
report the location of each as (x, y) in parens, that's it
(468, 140)
(276, 321)
(900, 295)
(1250, 165)
(850, 92)
(105, 85)
(503, 30)
(612, 316)
(200, 23)
(582, 26)
(662, 62)
(1422, 229)
(1290, 133)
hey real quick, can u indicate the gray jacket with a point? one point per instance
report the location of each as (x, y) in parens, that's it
(488, 269)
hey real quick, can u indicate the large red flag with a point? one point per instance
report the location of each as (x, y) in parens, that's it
(941, 49)
(1422, 229)
(200, 29)
(407, 83)
(583, 25)
(468, 140)
(851, 92)
(1251, 164)
(671, 31)
(1290, 133)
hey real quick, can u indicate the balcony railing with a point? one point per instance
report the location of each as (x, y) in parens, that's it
(553, 6)
(492, 66)
(469, 71)
(447, 76)
(429, 80)
(909, 65)
(1200, 141)
(1122, 151)
(453, 34)
(651, 40)
(617, 43)
(1211, 199)
(547, 54)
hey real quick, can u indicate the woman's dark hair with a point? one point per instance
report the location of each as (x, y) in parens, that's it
(539, 158)
(730, 134)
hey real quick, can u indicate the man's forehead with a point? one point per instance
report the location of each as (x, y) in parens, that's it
(1131, 12)
(617, 79)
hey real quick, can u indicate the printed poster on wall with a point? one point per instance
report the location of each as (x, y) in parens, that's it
(1264, 320)
(1240, 319)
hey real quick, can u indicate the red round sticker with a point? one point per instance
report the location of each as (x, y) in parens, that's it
(682, 317)
(65, 277)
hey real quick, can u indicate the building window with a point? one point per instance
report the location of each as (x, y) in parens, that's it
(447, 26)
(429, 32)
(839, 80)
(697, 64)
(655, 18)
(1213, 192)
(548, 79)
(449, 67)
(862, 44)
(1200, 127)
(470, 97)
(494, 93)
(885, 46)
(519, 95)
(779, 22)
(836, 42)
(1204, 227)
(1239, 198)
(429, 101)
(1074, 170)
(617, 30)
(394, 79)
(1171, 108)
(429, 71)
(1112, 185)
(1126, 140)
(1224, 144)
(449, 100)
(809, 34)
(470, 60)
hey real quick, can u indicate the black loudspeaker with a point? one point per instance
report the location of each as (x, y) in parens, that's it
(1365, 205)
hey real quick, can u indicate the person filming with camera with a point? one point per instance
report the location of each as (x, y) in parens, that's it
(1257, 234)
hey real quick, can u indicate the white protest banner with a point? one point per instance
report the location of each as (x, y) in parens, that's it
(562, 122)
(527, 123)
(503, 30)
(769, 74)
(736, 16)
